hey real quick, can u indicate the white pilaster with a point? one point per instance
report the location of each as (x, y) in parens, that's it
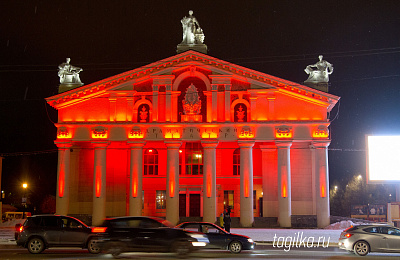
(136, 176)
(63, 178)
(284, 184)
(209, 181)
(228, 102)
(155, 103)
(322, 183)
(246, 183)
(214, 98)
(99, 182)
(172, 189)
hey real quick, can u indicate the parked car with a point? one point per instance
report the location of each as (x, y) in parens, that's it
(44, 231)
(363, 239)
(219, 238)
(148, 234)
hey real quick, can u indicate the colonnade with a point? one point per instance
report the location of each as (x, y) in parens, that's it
(320, 171)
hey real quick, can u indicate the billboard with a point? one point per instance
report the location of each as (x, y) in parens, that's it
(383, 159)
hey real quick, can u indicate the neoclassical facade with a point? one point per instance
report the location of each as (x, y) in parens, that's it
(188, 135)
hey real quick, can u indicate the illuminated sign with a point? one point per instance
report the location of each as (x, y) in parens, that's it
(209, 133)
(172, 133)
(99, 133)
(383, 164)
(283, 132)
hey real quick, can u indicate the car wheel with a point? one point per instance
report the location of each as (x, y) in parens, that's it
(361, 248)
(235, 247)
(35, 245)
(93, 246)
(181, 248)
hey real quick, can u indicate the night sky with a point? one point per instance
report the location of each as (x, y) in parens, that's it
(360, 38)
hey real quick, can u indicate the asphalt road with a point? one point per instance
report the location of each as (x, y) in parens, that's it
(261, 252)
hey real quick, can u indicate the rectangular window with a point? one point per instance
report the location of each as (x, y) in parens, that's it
(160, 199)
(254, 199)
(229, 198)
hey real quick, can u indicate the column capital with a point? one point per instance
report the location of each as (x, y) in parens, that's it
(283, 144)
(100, 144)
(268, 147)
(320, 144)
(63, 144)
(136, 144)
(173, 144)
(245, 143)
(209, 144)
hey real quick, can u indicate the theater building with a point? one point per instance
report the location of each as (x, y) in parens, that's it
(187, 136)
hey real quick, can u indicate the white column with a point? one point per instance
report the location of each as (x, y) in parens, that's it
(284, 185)
(136, 176)
(172, 189)
(209, 181)
(214, 104)
(99, 182)
(228, 102)
(155, 103)
(246, 183)
(168, 98)
(322, 183)
(63, 178)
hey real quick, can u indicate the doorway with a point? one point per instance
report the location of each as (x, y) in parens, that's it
(194, 205)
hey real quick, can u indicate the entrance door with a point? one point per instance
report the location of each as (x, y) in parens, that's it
(182, 205)
(194, 210)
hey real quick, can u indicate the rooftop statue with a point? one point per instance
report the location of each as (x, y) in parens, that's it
(319, 72)
(69, 74)
(192, 33)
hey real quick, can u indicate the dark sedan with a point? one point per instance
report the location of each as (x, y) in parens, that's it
(219, 238)
(147, 234)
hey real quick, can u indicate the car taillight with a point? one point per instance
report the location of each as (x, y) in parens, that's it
(348, 235)
(99, 230)
(21, 228)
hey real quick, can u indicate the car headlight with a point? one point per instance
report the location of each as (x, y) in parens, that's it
(250, 240)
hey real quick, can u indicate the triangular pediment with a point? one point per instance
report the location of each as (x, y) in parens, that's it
(256, 80)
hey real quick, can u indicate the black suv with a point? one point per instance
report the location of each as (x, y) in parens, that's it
(149, 234)
(43, 231)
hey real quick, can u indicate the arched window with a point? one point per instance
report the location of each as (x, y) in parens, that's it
(236, 162)
(194, 158)
(143, 114)
(150, 165)
(240, 112)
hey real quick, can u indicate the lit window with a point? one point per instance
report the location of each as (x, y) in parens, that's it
(194, 159)
(160, 199)
(236, 162)
(150, 165)
(229, 198)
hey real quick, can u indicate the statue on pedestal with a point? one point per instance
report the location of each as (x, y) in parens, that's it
(319, 72)
(192, 32)
(69, 74)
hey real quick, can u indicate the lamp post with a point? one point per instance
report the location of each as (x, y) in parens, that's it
(24, 186)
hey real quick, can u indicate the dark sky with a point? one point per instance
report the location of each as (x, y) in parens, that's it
(360, 38)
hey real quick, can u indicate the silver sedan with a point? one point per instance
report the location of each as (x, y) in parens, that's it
(363, 239)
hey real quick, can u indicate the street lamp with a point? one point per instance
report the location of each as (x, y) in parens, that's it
(24, 186)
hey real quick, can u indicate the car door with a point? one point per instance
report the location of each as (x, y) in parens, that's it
(74, 233)
(393, 239)
(150, 233)
(216, 236)
(50, 229)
